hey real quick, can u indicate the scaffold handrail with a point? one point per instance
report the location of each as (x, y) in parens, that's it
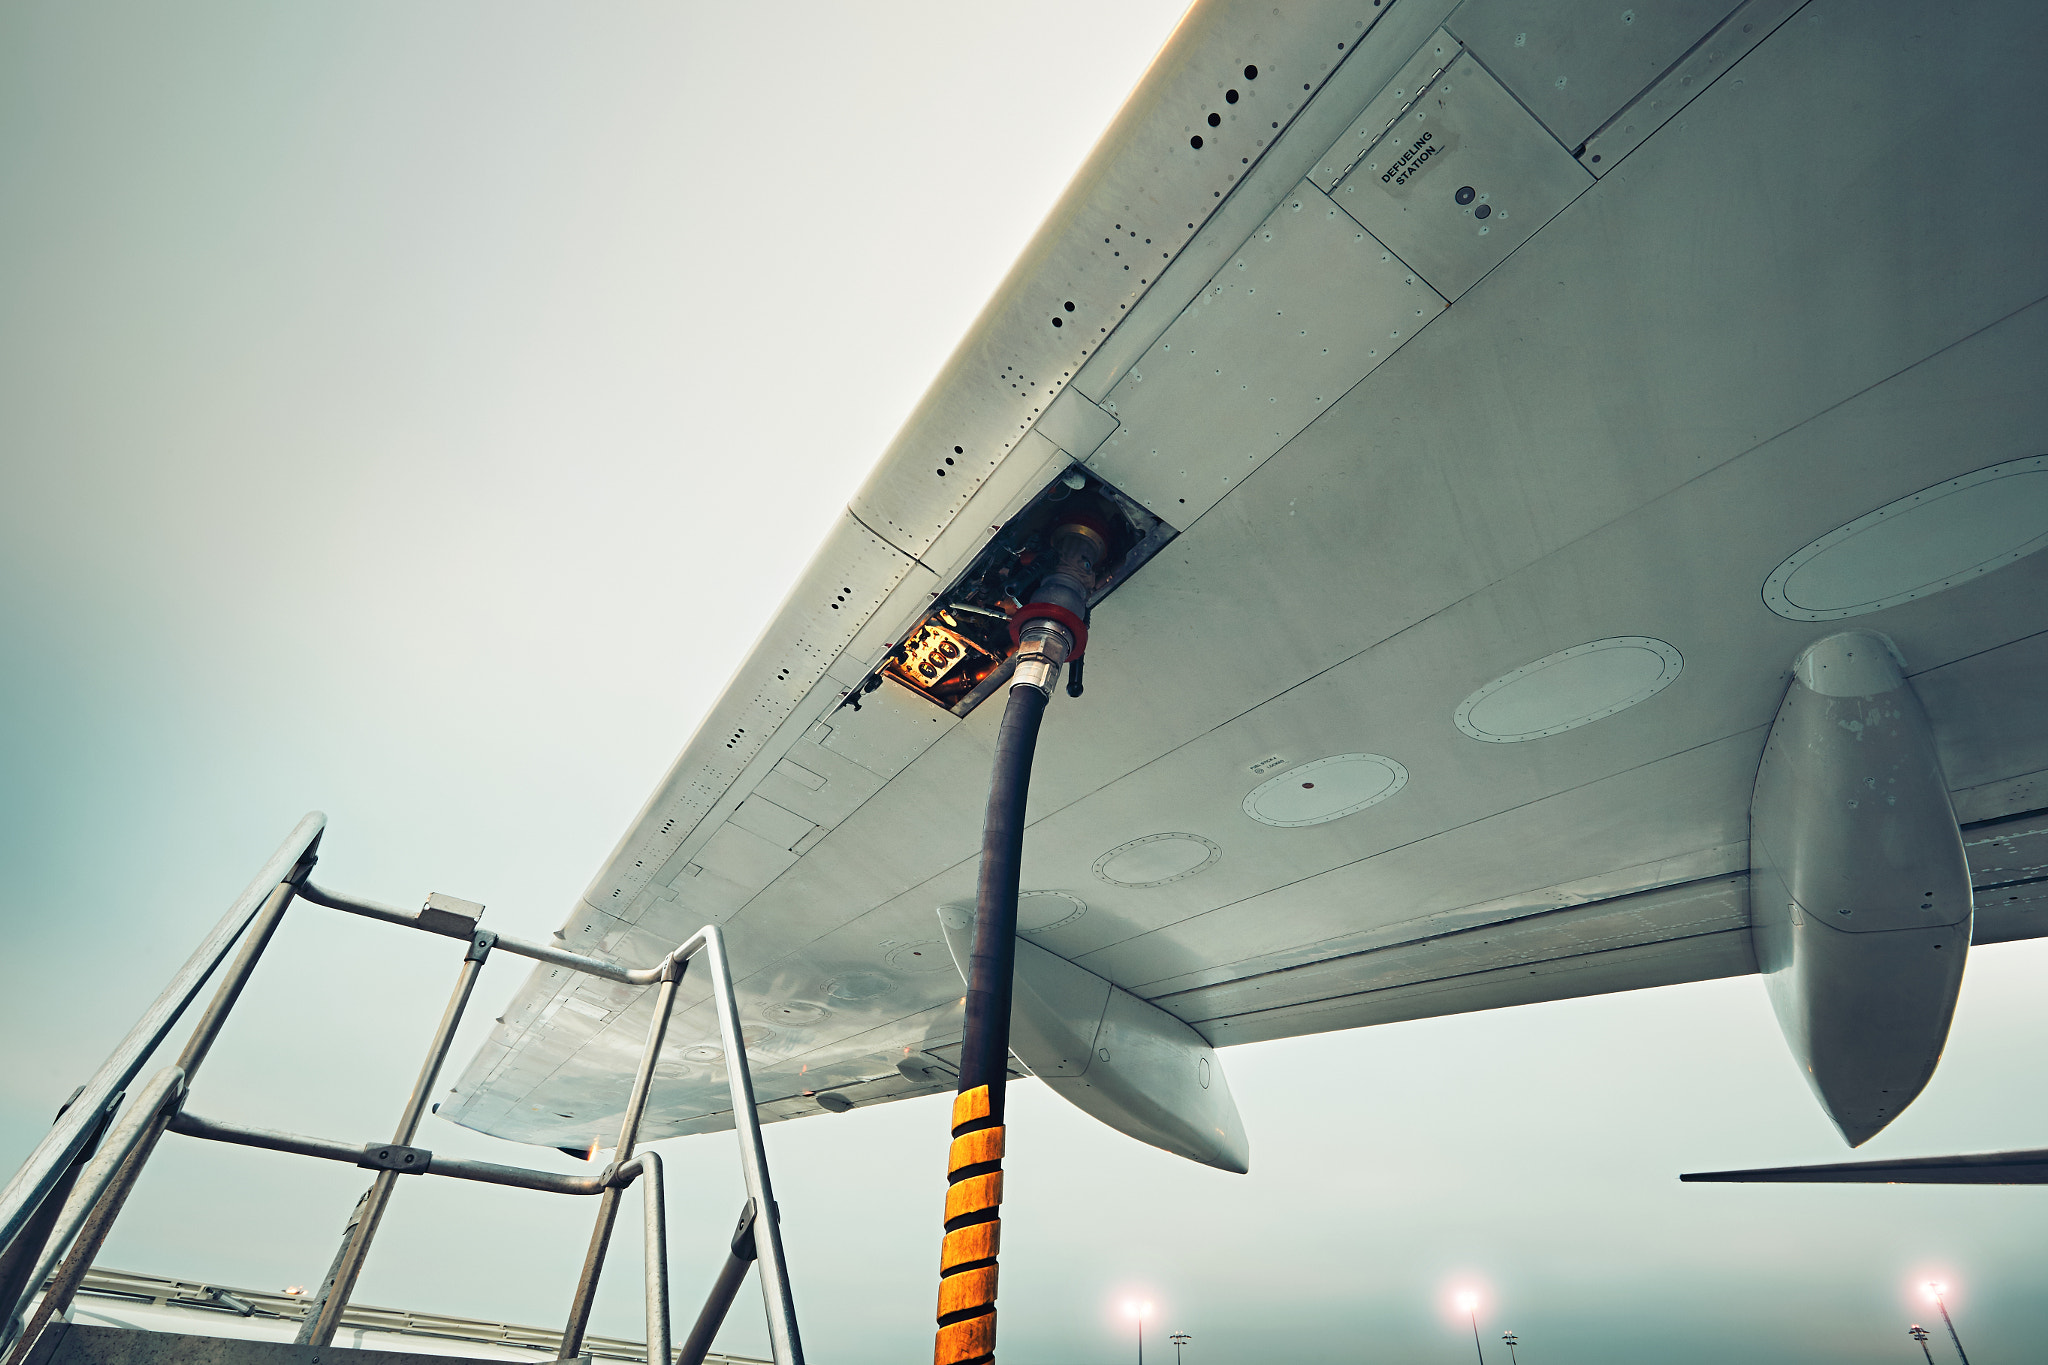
(60, 1147)
(93, 1191)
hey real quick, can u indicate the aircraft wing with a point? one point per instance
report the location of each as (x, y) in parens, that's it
(1483, 460)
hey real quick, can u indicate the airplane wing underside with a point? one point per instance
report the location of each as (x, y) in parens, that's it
(1521, 394)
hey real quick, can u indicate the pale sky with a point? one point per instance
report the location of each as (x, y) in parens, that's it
(415, 412)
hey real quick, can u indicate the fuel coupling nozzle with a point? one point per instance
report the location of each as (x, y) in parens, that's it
(1042, 647)
(1079, 548)
(1052, 629)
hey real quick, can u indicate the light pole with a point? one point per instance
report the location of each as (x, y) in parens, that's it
(1510, 1338)
(1139, 1310)
(1934, 1291)
(1470, 1303)
(1919, 1334)
(1179, 1339)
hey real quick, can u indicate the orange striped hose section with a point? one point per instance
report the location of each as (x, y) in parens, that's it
(967, 1258)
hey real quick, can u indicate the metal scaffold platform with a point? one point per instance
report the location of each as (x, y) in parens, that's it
(56, 1212)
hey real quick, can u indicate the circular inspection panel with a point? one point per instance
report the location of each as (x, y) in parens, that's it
(926, 955)
(1040, 912)
(1325, 790)
(791, 1012)
(1570, 688)
(704, 1052)
(1156, 860)
(1939, 537)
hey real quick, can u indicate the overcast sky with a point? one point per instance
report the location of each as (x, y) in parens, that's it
(415, 411)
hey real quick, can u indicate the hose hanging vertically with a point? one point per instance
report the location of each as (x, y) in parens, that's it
(974, 1162)
(1051, 631)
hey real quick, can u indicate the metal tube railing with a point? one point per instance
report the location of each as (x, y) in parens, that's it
(654, 1247)
(539, 952)
(325, 1319)
(776, 1296)
(164, 1089)
(739, 1256)
(629, 1131)
(103, 1182)
(646, 1166)
(225, 996)
(38, 1176)
(17, 1261)
(71, 1271)
(188, 1124)
(93, 1232)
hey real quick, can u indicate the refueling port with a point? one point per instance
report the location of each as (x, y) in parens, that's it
(1071, 546)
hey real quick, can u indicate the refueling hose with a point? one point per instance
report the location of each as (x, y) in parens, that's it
(1050, 631)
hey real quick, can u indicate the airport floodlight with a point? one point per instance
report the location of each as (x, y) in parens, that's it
(1919, 1334)
(1179, 1339)
(1469, 1301)
(1512, 1341)
(1139, 1310)
(1936, 1290)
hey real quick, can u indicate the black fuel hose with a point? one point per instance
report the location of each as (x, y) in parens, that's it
(1052, 631)
(974, 1161)
(985, 1050)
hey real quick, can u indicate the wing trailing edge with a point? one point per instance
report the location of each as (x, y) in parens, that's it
(2028, 1167)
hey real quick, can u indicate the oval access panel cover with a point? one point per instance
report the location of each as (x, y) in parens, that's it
(1156, 860)
(1570, 688)
(1039, 911)
(1937, 538)
(1327, 789)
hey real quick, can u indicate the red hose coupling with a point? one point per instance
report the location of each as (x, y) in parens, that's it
(1051, 612)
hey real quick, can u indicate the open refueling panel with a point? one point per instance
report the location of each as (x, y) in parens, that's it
(961, 651)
